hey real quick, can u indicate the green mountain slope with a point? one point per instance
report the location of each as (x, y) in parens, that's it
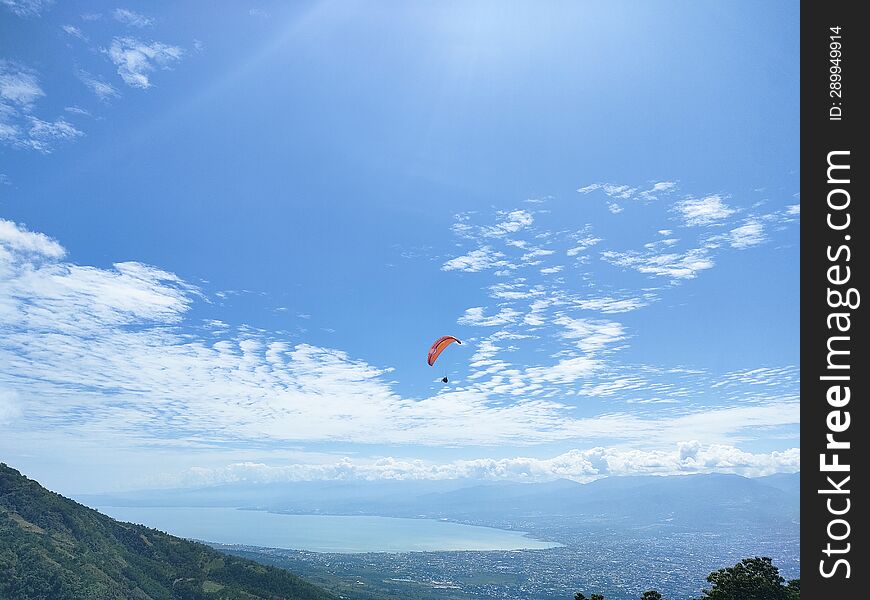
(53, 548)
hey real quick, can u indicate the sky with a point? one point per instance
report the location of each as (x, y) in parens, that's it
(228, 236)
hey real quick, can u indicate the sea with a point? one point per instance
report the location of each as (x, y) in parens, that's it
(323, 533)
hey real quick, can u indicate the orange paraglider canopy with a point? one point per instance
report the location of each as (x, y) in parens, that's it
(439, 346)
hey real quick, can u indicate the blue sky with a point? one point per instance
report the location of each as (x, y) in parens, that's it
(229, 236)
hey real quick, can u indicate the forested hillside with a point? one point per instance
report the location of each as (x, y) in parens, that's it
(53, 548)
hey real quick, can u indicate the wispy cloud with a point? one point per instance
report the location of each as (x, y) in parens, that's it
(509, 222)
(131, 18)
(709, 210)
(77, 110)
(583, 243)
(590, 335)
(110, 353)
(19, 85)
(476, 260)
(626, 192)
(474, 316)
(749, 234)
(662, 188)
(136, 59)
(514, 291)
(674, 265)
(687, 457)
(621, 192)
(10, 406)
(43, 135)
(74, 32)
(19, 127)
(18, 239)
(610, 305)
(103, 90)
(27, 8)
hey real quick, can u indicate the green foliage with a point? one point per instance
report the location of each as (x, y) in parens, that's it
(52, 548)
(582, 596)
(755, 578)
(651, 595)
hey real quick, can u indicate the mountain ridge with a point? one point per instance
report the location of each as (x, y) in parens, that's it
(52, 547)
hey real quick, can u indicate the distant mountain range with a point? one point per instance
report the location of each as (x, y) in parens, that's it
(692, 502)
(52, 548)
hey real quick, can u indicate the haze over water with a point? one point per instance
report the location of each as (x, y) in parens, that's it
(323, 533)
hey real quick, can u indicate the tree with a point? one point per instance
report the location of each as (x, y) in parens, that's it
(755, 578)
(651, 595)
(582, 596)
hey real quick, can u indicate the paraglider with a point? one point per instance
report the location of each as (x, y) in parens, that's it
(437, 348)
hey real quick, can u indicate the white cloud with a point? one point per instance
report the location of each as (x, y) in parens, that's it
(660, 188)
(16, 238)
(75, 32)
(96, 351)
(18, 85)
(77, 110)
(536, 253)
(27, 8)
(115, 352)
(8, 131)
(484, 353)
(136, 59)
(565, 371)
(709, 210)
(590, 335)
(626, 192)
(685, 265)
(511, 222)
(608, 305)
(19, 91)
(102, 89)
(10, 406)
(589, 188)
(749, 234)
(614, 208)
(794, 209)
(43, 134)
(552, 270)
(102, 345)
(615, 384)
(663, 186)
(762, 376)
(474, 316)
(536, 311)
(514, 291)
(131, 18)
(623, 192)
(583, 244)
(688, 457)
(476, 260)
